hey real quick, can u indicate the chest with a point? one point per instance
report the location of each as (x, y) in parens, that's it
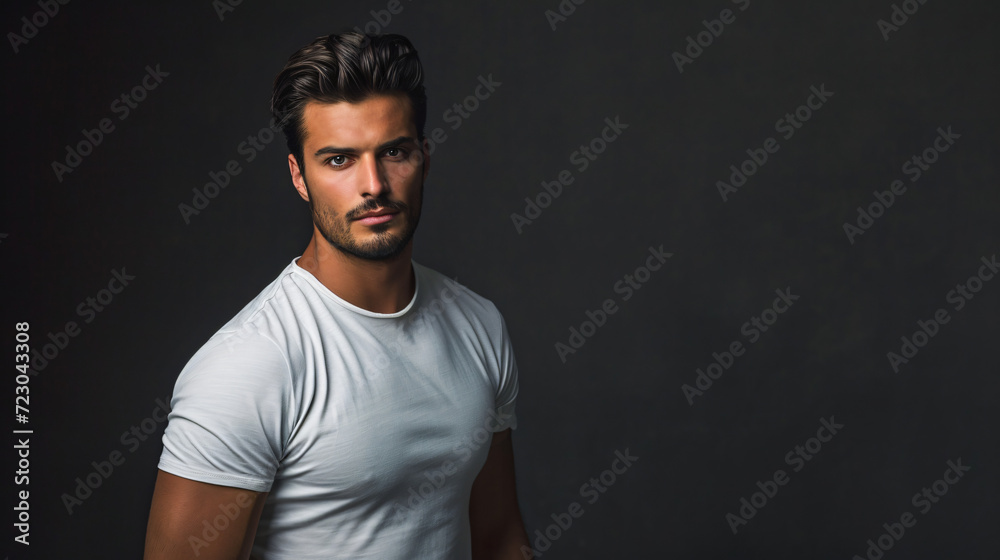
(384, 408)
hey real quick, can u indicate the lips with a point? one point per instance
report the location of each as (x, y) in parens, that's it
(377, 213)
(377, 216)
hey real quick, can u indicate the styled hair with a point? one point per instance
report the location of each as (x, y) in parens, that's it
(351, 67)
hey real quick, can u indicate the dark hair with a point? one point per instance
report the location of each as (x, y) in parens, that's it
(349, 67)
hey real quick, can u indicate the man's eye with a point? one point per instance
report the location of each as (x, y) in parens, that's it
(395, 152)
(337, 161)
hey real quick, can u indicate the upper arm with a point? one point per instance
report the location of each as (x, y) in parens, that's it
(496, 526)
(494, 516)
(196, 519)
(231, 414)
(507, 382)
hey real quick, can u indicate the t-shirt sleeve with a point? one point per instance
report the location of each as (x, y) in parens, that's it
(230, 411)
(507, 387)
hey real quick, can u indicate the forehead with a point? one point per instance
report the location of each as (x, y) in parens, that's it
(370, 121)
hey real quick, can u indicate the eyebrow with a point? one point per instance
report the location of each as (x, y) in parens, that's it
(394, 143)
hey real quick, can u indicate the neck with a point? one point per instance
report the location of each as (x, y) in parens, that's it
(384, 286)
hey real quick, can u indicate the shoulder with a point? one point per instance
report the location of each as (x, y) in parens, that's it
(269, 309)
(439, 292)
(244, 359)
(279, 319)
(253, 347)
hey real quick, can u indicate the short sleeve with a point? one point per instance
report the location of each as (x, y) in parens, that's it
(507, 388)
(229, 417)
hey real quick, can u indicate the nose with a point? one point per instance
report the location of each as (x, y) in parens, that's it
(374, 181)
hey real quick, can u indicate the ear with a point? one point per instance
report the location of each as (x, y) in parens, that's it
(297, 179)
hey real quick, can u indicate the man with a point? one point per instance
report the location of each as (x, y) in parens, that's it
(361, 406)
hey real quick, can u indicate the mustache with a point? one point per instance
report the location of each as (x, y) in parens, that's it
(373, 204)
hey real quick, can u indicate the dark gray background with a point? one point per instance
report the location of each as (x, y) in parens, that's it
(654, 185)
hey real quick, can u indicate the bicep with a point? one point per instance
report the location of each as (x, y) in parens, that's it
(183, 520)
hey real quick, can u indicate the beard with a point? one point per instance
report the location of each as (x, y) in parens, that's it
(384, 245)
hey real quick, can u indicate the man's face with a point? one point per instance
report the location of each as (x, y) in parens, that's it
(360, 159)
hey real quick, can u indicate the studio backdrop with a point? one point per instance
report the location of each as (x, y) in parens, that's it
(747, 252)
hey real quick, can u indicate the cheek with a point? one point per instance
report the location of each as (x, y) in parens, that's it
(330, 192)
(403, 173)
(405, 176)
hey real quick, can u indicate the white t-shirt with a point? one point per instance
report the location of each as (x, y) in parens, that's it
(367, 429)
